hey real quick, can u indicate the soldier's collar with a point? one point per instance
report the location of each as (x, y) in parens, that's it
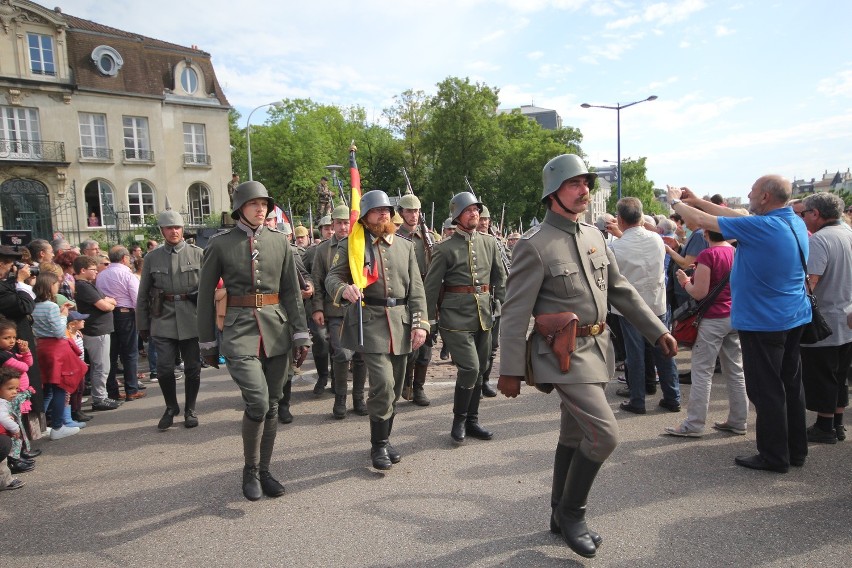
(471, 236)
(248, 230)
(561, 223)
(387, 238)
(175, 248)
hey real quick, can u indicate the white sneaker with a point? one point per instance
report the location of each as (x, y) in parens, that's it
(64, 432)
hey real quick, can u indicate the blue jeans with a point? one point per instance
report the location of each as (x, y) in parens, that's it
(634, 345)
(124, 344)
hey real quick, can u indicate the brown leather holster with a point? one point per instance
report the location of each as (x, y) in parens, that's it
(220, 299)
(560, 333)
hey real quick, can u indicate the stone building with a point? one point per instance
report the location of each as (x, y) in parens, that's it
(98, 126)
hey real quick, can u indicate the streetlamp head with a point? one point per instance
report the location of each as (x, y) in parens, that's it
(587, 105)
(652, 98)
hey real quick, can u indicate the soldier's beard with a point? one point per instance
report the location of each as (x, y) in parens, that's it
(380, 229)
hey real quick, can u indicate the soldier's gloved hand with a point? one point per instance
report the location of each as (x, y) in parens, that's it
(509, 385)
(299, 355)
(144, 334)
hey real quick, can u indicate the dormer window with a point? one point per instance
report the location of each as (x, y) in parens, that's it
(107, 60)
(41, 54)
(189, 80)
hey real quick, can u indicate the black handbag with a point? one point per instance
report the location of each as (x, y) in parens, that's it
(818, 329)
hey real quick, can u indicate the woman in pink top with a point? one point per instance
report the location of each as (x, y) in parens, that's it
(716, 338)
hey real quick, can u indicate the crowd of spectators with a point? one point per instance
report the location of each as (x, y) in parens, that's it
(66, 318)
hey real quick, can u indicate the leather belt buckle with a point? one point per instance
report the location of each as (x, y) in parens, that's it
(391, 302)
(594, 329)
(258, 300)
(477, 289)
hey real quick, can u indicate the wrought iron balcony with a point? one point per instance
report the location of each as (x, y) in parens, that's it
(200, 160)
(133, 155)
(94, 154)
(31, 150)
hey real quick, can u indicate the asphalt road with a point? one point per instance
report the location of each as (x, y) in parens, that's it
(123, 494)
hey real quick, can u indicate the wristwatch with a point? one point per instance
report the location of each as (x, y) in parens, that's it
(674, 202)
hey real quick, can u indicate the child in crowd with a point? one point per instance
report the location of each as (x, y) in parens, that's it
(76, 322)
(15, 353)
(10, 381)
(58, 358)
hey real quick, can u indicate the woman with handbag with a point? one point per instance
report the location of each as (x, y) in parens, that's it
(716, 338)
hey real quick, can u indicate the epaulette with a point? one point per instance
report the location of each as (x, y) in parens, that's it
(193, 245)
(531, 232)
(275, 229)
(407, 238)
(220, 233)
(587, 224)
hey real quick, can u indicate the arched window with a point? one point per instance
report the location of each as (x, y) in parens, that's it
(140, 202)
(189, 80)
(99, 200)
(198, 198)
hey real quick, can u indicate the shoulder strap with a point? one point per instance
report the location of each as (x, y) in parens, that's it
(801, 258)
(708, 300)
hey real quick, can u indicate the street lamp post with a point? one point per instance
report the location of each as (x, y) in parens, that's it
(617, 108)
(276, 104)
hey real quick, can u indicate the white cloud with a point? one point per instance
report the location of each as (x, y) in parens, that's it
(482, 66)
(535, 55)
(492, 37)
(839, 85)
(661, 13)
(553, 70)
(722, 31)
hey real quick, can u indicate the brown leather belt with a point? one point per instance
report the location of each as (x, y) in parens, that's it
(176, 297)
(467, 289)
(592, 329)
(253, 301)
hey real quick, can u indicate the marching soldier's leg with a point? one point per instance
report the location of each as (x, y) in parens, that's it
(248, 373)
(380, 403)
(339, 367)
(359, 380)
(192, 373)
(166, 372)
(319, 350)
(421, 365)
(275, 370)
(472, 426)
(284, 414)
(463, 350)
(399, 362)
(487, 389)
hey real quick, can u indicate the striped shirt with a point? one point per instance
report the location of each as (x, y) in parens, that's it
(48, 321)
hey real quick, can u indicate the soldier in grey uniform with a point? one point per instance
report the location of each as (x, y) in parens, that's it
(393, 309)
(464, 275)
(264, 324)
(447, 230)
(487, 389)
(166, 313)
(563, 266)
(418, 362)
(327, 314)
(319, 335)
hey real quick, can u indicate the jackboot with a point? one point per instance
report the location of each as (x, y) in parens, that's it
(190, 420)
(379, 444)
(420, 398)
(359, 379)
(393, 454)
(251, 483)
(267, 442)
(321, 362)
(252, 430)
(487, 389)
(561, 463)
(168, 419)
(408, 383)
(284, 414)
(341, 373)
(270, 486)
(472, 426)
(571, 510)
(461, 402)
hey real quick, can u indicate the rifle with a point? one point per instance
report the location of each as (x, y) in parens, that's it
(292, 236)
(503, 256)
(428, 239)
(310, 224)
(502, 217)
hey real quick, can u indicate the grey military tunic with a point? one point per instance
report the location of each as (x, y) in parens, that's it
(175, 271)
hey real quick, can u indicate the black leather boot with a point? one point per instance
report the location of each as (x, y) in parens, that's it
(339, 409)
(561, 463)
(321, 363)
(472, 426)
(340, 370)
(379, 444)
(168, 419)
(571, 511)
(80, 416)
(190, 420)
(359, 380)
(393, 454)
(419, 379)
(461, 402)
(251, 483)
(269, 485)
(487, 389)
(284, 415)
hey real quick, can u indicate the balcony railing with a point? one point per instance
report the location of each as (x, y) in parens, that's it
(90, 154)
(37, 151)
(133, 155)
(196, 159)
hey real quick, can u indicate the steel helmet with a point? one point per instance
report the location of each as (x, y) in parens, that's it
(247, 191)
(326, 220)
(561, 168)
(286, 229)
(301, 231)
(462, 201)
(169, 218)
(340, 213)
(486, 214)
(408, 201)
(372, 200)
(448, 224)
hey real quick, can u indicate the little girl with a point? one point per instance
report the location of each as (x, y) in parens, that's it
(58, 358)
(21, 361)
(76, 322)
(10, 380)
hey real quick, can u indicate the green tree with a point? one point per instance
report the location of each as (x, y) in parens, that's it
(239, 159)
(635, 183)
(409, 119)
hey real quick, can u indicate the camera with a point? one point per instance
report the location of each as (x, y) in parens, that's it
(33, 269)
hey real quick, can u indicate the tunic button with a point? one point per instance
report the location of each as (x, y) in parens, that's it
(566, 271)
(258, 280)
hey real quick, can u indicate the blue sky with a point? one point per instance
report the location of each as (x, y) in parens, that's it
(745, 87)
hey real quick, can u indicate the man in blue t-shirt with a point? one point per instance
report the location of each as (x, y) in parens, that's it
(769, 307)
